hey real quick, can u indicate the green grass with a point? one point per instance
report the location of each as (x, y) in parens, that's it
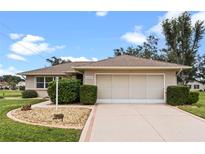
(10, 93)
(198, 108)
(11, 131)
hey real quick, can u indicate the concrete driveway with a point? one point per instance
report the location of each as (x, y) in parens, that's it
(143, 122)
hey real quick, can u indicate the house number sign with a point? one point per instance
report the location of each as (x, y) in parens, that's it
(89, 77)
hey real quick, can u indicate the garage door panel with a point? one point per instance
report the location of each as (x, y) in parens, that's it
(154, 93)
(104, 83)
(104, 93)
(155, 81)
(137, 87)
(155, 85)
(120, 87)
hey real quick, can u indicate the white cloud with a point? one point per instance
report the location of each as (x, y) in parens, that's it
(157, 29)
(31, 45)
(8, 71)
(136, 37)
(27, 45)
(79, 58)
(16, 57)
(101, 13)
(15, 36)
(32, 38)
(198, 16)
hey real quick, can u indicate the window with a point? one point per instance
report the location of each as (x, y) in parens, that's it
(48, 79)
(42, 82)
(196, 86)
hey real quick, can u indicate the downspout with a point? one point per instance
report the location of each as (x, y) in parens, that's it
(179, 71)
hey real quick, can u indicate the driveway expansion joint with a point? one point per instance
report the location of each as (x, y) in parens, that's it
(149, 123)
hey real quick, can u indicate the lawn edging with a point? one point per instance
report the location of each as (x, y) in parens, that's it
(193, 115)
(86, 132)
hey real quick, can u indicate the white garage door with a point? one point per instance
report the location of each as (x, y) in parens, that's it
(130, 88)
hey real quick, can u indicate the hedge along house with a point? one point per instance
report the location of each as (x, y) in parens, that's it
(121, 79)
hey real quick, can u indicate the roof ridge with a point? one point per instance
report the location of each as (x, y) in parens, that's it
(160, 61)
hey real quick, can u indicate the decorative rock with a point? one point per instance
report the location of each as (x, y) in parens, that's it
(26, 107)
(58, 116)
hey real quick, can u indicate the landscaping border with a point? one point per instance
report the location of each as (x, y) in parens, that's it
(87, 129)
(45, 105)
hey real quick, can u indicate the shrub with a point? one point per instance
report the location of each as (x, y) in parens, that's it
(177, 95)
(68, 91)
(193, 97)
(88, 94)
(22, 88)
(29, 94)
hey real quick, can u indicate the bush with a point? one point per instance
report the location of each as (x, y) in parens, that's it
(177, 95)
(1, 97)
(193, 97)
(88, 94)
(22, 88)
(29, 94)
(68, 91)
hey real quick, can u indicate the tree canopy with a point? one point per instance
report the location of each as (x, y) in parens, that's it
(182, 43)
(55, 61)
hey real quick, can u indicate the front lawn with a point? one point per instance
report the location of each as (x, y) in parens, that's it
(14, 131)
(10, 93)
(198, 108)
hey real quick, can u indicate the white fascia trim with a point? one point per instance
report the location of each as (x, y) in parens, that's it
(131, 68)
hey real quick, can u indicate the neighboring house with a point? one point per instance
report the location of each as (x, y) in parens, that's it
(121, 79)
(195, 85)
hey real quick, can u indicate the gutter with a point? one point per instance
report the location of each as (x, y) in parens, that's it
(130, 68)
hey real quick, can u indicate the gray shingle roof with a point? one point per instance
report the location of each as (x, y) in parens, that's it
(130, 61)
(123, 61)
(60, 69)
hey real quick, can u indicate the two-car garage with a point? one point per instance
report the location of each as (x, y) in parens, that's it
(130, 88)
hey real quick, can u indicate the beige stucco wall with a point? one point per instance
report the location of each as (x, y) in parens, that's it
(31, 85)
(170, 75)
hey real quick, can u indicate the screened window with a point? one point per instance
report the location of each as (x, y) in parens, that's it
(42, 82)
(196, 86)
(48, 79)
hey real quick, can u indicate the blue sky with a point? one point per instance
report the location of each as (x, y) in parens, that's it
(28, 38)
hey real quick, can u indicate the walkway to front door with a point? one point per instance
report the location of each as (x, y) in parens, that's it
(144, 122)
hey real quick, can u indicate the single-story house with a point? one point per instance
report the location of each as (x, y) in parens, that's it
(120, 79)
(196, 85)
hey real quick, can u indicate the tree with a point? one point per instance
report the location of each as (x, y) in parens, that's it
(55, 61)
(11, 80)
(182, 41)
(148, 49)
(200, 72)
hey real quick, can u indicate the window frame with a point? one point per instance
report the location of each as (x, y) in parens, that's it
(196, 86)
(44, 81)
